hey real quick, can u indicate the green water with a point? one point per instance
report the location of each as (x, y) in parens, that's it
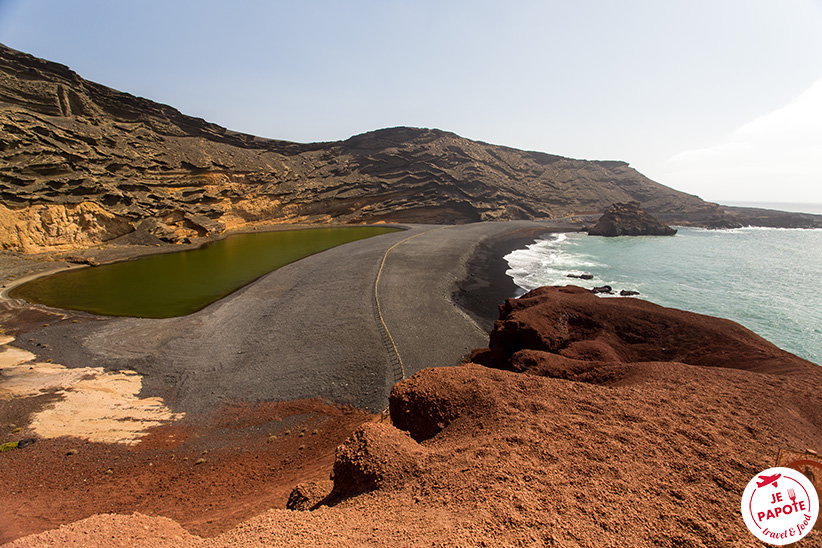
(176, 284)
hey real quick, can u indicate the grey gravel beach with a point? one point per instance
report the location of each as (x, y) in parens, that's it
(309, 329)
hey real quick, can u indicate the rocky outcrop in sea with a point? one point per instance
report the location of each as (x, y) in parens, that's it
(629, 219)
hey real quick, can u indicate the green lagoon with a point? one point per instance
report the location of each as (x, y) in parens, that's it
(176, 284)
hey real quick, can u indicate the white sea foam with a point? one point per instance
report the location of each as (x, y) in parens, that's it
(761, 278)
(548, 261)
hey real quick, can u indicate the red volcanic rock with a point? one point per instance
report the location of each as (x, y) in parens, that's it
(376, 456)
(424, 413)
(659, 460)
(309, 495)
(568, 329)
(606, 423)
(633, 425)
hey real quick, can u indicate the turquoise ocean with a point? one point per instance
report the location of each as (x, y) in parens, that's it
(769, 280)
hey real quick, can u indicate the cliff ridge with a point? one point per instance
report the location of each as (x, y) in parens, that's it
(68, 143)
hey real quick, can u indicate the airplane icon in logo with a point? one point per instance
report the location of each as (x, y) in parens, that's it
(767, 480)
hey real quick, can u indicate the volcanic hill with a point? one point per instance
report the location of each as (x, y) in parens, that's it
(81, 163)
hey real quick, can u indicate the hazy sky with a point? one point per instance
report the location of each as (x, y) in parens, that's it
(720, 98)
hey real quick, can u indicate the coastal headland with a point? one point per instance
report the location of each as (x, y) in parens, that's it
(594, 422)
(336, 385)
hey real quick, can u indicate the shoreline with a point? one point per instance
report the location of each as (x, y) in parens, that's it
(122, 250)
(194, 354)
(212, 477)
(567, 427)
(486, 284)
(484, 287)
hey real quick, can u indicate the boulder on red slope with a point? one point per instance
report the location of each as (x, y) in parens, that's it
(602, 412)
(423, 412)
(642, 454)
(629, 219)
(377, 456)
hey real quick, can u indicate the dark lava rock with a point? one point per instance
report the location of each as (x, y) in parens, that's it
(737, 217)
(606, 289)
(22, 444)
(581, 276)
(629, 219)
(722, 224)
(628, 293)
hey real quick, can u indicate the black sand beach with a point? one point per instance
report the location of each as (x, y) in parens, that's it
(486, 284)
(309, 329)
(300, 349)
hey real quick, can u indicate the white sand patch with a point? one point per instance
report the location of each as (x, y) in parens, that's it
(94, 404)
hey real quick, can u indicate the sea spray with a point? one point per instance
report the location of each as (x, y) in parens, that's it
(764, 279)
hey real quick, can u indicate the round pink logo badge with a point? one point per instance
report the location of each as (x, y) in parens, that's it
(780, 506)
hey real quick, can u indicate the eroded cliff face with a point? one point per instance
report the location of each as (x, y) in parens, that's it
(53, 226)
(81, 163)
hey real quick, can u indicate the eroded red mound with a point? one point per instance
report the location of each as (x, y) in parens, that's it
(575, 325)
(651, 422)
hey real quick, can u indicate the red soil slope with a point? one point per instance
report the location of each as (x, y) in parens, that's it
(600, 422)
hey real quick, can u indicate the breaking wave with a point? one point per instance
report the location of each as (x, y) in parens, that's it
(764, 279)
